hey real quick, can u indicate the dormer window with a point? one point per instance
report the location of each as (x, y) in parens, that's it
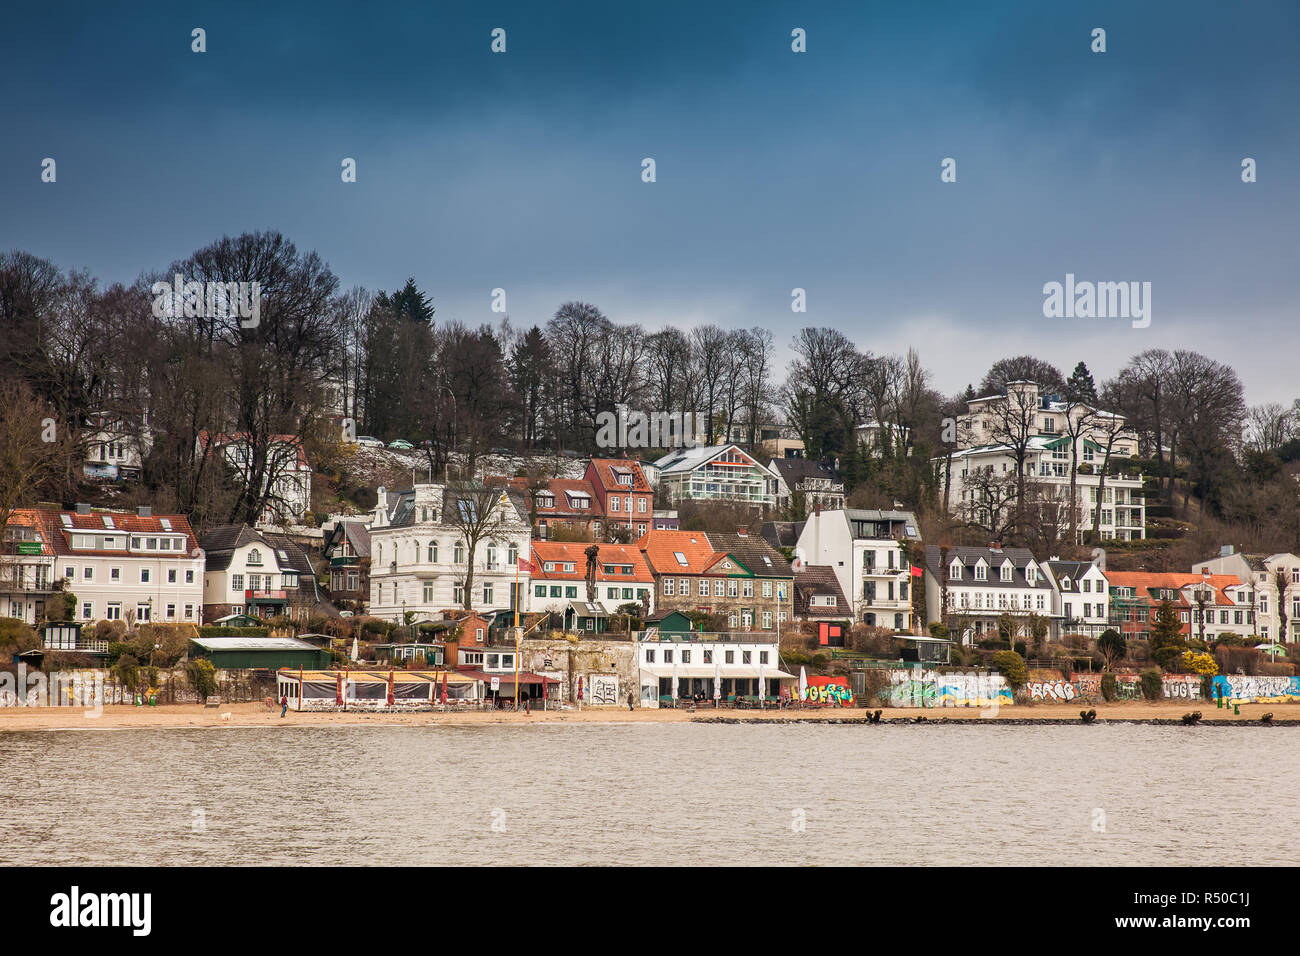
(954, 571)
(254, 558)
(1007, 570)
(981, 571)
(1065, 584)
(1031, 574)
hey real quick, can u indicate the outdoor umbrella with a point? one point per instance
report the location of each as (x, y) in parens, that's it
(803, 684)
(338, 688)
(717, 677)
(579, 688)
(390, 687)
(762, 686)
(444, 687)
(674, 680)
(355, 649)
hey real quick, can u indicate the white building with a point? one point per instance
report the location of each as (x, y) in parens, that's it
(716, 473)
(865, 550)
(113, 452)
(971, 588)
(419, 559)
(984, 469)
(1082, 596)
(123, 565)
(984, 484)
(817, 484)
(254, 572)
(287, 474)
(1271, 602)
(745, 667)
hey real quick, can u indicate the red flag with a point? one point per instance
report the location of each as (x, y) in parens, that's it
(579, 688)
(390, 686)
(338, 688)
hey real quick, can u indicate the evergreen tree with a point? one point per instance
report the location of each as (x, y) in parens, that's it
(1167, 642)
(1080, 387)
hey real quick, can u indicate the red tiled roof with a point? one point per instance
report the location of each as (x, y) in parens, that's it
(660, 548)
(603, 467)
(59, 536)
(573, 551)
(1143, 582)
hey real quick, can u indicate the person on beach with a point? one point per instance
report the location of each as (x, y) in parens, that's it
(284, 704)
(630, 698)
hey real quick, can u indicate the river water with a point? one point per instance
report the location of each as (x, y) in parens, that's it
(651, 794)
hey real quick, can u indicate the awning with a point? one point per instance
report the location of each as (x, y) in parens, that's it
(738, 671)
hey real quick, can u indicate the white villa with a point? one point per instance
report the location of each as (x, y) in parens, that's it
(419, 558)
(983, 468)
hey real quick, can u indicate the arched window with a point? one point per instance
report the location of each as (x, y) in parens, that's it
(459, 553)
(255, 557)
(432, 552)
(512, 555)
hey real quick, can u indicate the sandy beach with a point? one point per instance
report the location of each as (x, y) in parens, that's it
(257, 715)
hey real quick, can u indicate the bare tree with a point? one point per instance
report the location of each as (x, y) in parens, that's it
(478, 510)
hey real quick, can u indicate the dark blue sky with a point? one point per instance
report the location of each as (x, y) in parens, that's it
(775, 169)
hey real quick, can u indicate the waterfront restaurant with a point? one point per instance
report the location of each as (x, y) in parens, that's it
(369, 689)
(742, 659)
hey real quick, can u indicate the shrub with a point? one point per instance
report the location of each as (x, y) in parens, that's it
(1198, 663)
(1152, 684)
(1109, 687)
(1112, 646)
(1011, 666)
(1020, 648)
(202, 676)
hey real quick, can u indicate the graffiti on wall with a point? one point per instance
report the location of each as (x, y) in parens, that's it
(1181, 686)
(604, 689)
(828, 692)
(1264, 690)
(973, 689)
(1054, 690)
(932, 689)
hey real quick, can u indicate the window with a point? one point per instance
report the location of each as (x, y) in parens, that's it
(458, 554)
(686, 656)
(236, 582)
(670, 586)
(87, 610)
(171, 611)
(767, 589)
(428, 592)
(668, 655)
(458, 595)
(731, 657)
(512, 555)
(684, 587)
(254, 558)
(708, 656)
(613, 506)
(641, 505)
(555, 590)
(981, 572)
(144, 575)
(571, 591)
(719, 587)
(189, 612)
(747, 589)
(733, 588)
(538, 591)
(171, 575)
(650, 655)
(87, 574)
(704, 587)
(767, 620)
(142, 612)
(115, 574)
(113, 612)
(431, 552)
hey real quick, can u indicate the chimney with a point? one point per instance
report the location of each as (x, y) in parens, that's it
(817, 508)
(144, 511)
(83, 508)
(743, 532)
(1227, 551)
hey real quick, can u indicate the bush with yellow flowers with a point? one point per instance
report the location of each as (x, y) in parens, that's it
(1199, 663)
